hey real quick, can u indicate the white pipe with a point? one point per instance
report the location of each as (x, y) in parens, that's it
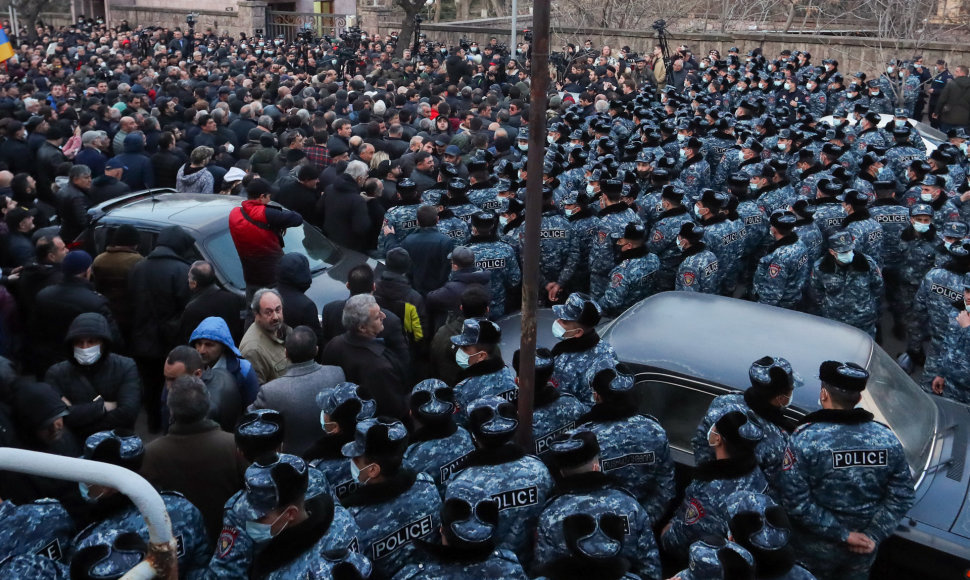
(144, 496)
(143, 571)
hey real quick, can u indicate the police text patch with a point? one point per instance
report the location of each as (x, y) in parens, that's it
(449, 470)
(402, 537)
(542, 443)
(860, 458)
(645, 458)
(516, 498)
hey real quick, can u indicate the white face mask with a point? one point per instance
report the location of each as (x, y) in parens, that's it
(927, 197)
(921, 228)
(503, 221)
(523, 146)
(87, 356)
(462, 358)
(590, 190)
(550, 139)
(845, 257)
(559, 331)
(569, 212)
(710, 433)
(355, 471)
(262, 533)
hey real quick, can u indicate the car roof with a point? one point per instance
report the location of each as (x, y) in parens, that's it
(700, 335)
(198, 211)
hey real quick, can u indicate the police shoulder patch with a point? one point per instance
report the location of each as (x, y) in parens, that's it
(688, 278)
(616, 280)
(657, 235)
(774, 270)
(226, 540)
(788, 461)
(695, 511)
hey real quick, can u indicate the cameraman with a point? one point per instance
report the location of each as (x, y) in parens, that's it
(257, 231)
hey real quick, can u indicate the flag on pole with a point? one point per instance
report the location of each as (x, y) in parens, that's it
(6, 50)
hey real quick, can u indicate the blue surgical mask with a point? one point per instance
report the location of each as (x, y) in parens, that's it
(461, 357)
(890, 69)
(899, 123)
(845, 257)
(921, 228)
(966, 306)
(947, 244)
(569, 212)
(559, 331)
(261, 533)
(355, 471)
(741, 156)
(963, 147)
(683, 155)
(590, 190)
(787, 86)
(780, 146)
(523, 146)
(681, 137)
(753, 187)
(86, 492)
(503, 221)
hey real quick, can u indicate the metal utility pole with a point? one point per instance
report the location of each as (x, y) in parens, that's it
(515, 25)
(533, 214)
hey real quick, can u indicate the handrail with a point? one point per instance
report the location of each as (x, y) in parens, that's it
(161, 561)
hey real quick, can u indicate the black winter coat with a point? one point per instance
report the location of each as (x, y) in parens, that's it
(114, 378)
(370, 364)
(166, 165)
(160, 291)
(345, 217)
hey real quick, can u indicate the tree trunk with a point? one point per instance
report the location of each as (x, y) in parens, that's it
(407, 29)
(791, 16)
(29, 10)
(463, 9)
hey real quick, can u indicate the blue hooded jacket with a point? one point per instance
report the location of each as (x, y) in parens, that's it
(139, 173)
(215, 329)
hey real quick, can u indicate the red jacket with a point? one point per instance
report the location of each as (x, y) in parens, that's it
(257, 231)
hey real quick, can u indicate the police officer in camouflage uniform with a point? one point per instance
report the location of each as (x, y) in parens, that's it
(865, 230)
(695, 172)
(557, 262)
(902, 154)
(954, 380)
(849, 484)
(634, 277)
(846, 285)
(780, 277)
(495, 257)
(917, 248)
(662, 240)
(932, 309)
(579, 347)
(438, 446)
(483, 372)
(699, 271)
(109, 556)
(469, 522)
(932, 192)
(829, 212)
(614, 215)
(723, 237)
(341, 409)
(112, 510)
(735, 468)
(284, 531)
(42, 527)
(715, 558)
(401, 219)
(582, 225)
(481, 191)
(554, 412)
(762, 527)
(582, 486)
(393, 506)
(634, 447)
(520, 483)
(772, 385)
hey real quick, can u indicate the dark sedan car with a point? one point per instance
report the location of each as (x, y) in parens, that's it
(688, 348)
(206, 218)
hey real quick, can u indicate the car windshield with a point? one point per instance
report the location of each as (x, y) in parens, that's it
(897, 401)
(305, 240)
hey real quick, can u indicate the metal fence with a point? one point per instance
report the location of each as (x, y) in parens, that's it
(289, 24)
